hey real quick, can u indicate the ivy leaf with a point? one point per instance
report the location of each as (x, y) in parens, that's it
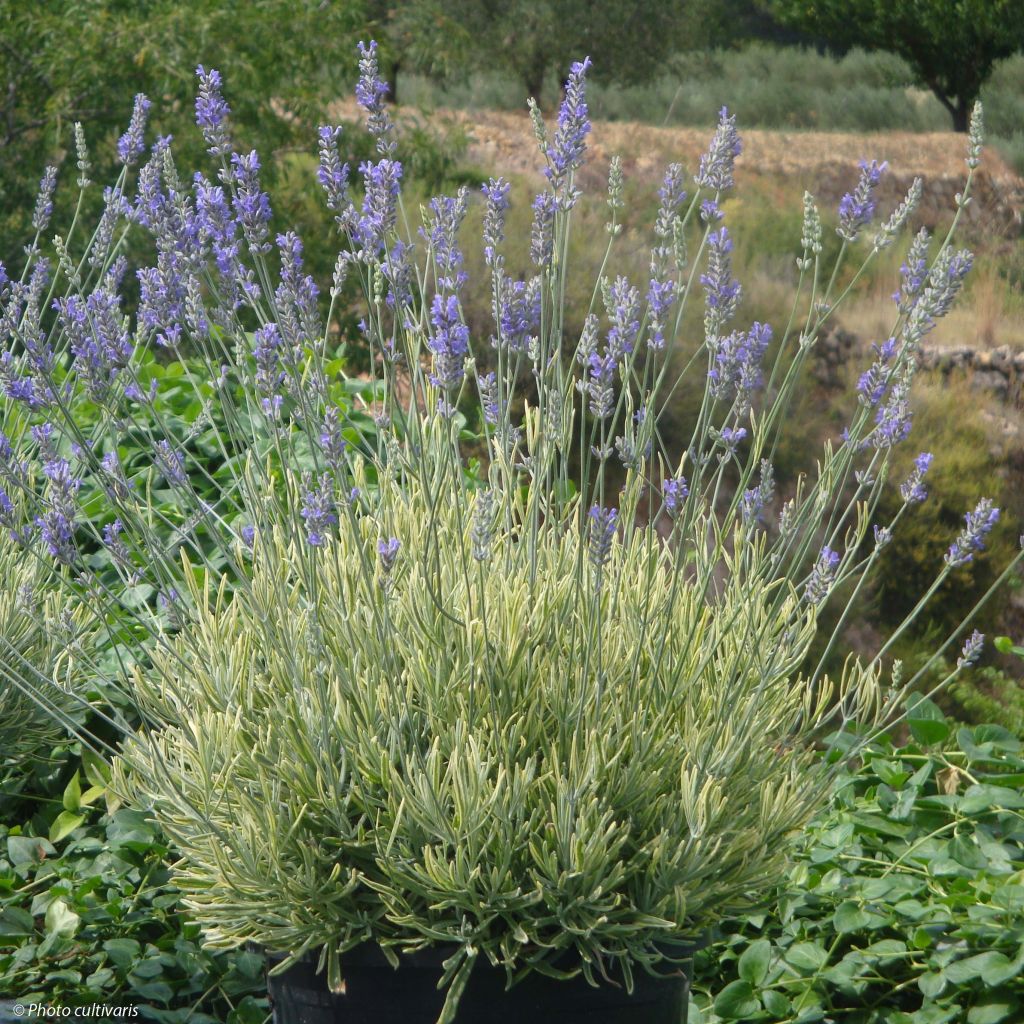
(850, 917)
(932, 984)
(121, 951)
(28, 850)
(807, 957)
(72, 796)
(753, 962)
(64, 824)
(737, 1001)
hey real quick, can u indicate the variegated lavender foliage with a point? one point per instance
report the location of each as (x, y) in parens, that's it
(406, 702)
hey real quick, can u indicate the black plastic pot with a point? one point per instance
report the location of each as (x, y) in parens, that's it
(376, 993)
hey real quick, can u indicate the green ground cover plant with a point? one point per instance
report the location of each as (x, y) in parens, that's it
(906, 902)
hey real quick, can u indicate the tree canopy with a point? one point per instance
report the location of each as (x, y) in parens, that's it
(952, 45)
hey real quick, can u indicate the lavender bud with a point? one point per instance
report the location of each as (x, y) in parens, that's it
(716, 166)
(822, 576)
(971, 650)
(212, 112)
(899, 216)
(82, 154)
(44, 200)
(482, 530)
(370, 93)
(542, 233)
(975, 135)
(603, 524)
(496, 191)
(615, 184)
(978, 524)
(810, 239)
(857, 208)
(913, 272)
(132, 144)
(912, 490)
(171, 463)
(332, 173)
(318, 508)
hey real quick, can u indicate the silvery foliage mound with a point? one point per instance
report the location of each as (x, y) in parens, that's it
(465, 650)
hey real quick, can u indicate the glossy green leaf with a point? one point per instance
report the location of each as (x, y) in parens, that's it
(737, 1001)
(754, 961)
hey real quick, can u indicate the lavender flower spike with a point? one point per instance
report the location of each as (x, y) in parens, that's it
(370, 93)
(132, 144)
(332, 173)
(972, 537)
(57, 523)
(913, 490)
(972, 650)
(822, 576)
(565, 153)
(388, 552)
(496, 192)
(603, 524)
(676, 492)
(857, 208)
(716, 165)
(721, 289)
(212, 112)
(44, 199)
(318, 509)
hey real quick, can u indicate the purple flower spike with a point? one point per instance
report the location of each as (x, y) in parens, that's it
(858, 207)
(972, 537)
(972, 650)
(318, 509)
(370, 93)
(388, 552)
(332, 173)
(565, 153)
(912, 490)
(252, 206)
(496, 192)
(676, 492)
(893, 420)
(449, 342)
(721, 289)
(57, 523)
(603, 524)
(380, 204)
(822, 576)
(44, 199)
(716, 165)
(132, 144)
(212, 112)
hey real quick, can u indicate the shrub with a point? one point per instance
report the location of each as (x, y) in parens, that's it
(414, 668)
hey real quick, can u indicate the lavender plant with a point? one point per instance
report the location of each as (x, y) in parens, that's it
(464, 650)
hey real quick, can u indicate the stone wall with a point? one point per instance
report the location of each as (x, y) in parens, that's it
(998, 372)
